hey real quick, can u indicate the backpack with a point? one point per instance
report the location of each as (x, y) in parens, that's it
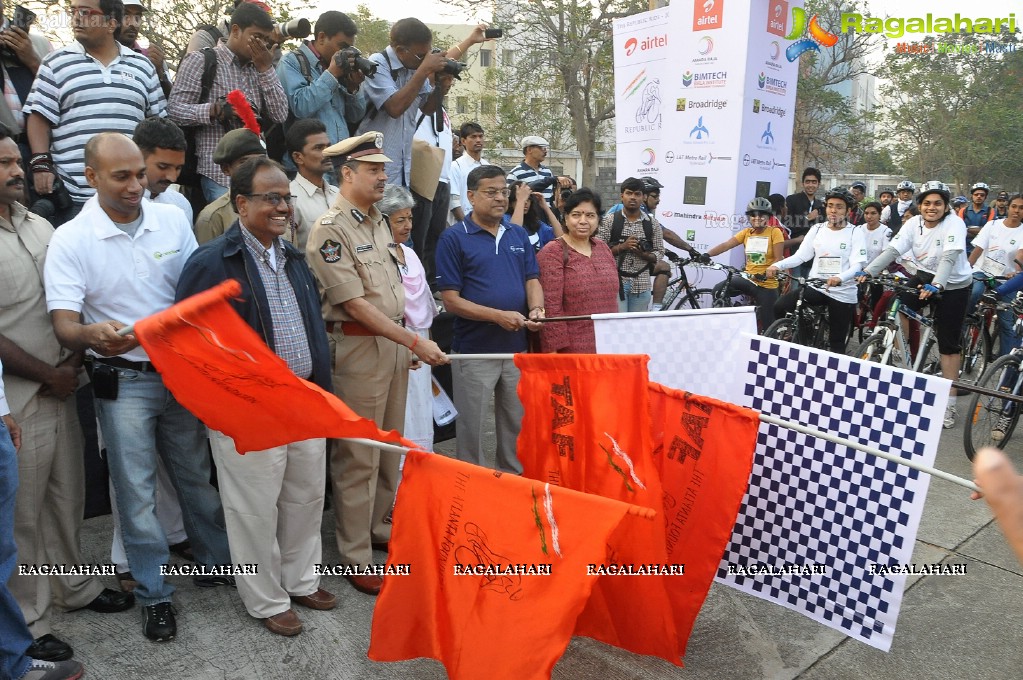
(276, 147)
(617, 227)
(962, 214)
(189, 175)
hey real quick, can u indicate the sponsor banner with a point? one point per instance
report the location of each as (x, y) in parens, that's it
(640, 46)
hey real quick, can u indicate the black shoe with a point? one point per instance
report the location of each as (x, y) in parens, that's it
(213, 581)
(383, 547)
(111, 601)
(158, 622)
(183, 550)
(49, 648)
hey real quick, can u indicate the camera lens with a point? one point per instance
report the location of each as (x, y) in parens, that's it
(44, 208)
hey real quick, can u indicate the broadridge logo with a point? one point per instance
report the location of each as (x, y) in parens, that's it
(685, 103)
(760, 107)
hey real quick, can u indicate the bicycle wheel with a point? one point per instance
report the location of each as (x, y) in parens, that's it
(703, 298)
(975, 351)
(780, 330)
(991, 421)
(873, 348)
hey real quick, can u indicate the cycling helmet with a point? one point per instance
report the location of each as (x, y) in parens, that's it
(982, 186)
(651, 184)
(859, 185)
(959, 200)
(885, 191)
(759, 206)
(934, 187)
(839, 192)
(905, 184)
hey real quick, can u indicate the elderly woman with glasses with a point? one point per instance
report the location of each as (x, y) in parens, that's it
(420, 308)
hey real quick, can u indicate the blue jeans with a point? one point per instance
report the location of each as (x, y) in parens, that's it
(1006, 320)
(212, 191)
(634, 302)
(145, 421)
(14, 635)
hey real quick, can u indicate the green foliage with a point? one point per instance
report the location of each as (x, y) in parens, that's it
(957, 111)
(374, 33)
(561, 83)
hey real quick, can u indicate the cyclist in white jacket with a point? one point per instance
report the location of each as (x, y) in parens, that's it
(838, 250)
(935, 241)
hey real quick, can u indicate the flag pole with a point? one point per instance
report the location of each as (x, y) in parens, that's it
(934, 472)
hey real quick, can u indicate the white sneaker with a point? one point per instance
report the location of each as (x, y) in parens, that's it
(950, 416)
(48, 670)
(999, 430)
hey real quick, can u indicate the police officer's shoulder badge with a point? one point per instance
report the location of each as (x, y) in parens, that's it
(330, 251)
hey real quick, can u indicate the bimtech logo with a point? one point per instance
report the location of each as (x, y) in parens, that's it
(630, 46)
(648, 157)
(706, 45)
(761, 80)
(800, 28)
(687, 79)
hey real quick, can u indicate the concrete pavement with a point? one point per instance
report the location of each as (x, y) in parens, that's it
(966, 626)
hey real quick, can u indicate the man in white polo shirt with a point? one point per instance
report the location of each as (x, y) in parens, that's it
(118, 262)
(93, 85)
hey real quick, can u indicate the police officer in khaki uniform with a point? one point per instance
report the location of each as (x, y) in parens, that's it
(351, 254)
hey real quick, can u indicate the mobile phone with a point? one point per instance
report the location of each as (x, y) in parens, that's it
(493, 33)
(104, 381)
(22, 18)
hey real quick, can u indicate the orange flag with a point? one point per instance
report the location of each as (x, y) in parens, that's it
(220, 370)
(587, 427)
(470, 536)
(703, 449)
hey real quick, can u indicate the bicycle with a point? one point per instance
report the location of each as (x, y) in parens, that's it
(807, 325)
(681, 293)
(993, 420)
(888, 344)
(980, 330)
(721, 295)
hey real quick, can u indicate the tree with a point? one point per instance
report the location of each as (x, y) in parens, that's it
(374, 33)
(827, 131)
(955, 108)
(562, 63)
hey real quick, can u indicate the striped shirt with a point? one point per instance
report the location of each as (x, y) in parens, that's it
(290, 341)
(523, 173)
(263, 90)
(80, 97)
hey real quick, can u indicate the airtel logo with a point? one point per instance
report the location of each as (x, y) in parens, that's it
(630, 46)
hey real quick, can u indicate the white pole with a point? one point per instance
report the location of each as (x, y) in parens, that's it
(460, 357)
(934, 472)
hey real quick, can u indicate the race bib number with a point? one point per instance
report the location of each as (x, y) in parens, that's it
(756, 249)
(829, 266)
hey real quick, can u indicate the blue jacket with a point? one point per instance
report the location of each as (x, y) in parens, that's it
(324, 98)
(226, 257)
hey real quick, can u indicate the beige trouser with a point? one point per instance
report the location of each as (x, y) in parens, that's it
(273, 507)
(371, 377)
(48, 511)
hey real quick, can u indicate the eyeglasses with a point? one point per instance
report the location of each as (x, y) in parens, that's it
(494, 193)
(85, 12)
(419, 57)
(273, 199)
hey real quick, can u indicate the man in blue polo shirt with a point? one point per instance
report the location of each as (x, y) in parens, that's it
(489, 279)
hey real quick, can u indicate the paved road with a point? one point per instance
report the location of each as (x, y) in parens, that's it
(950, 626)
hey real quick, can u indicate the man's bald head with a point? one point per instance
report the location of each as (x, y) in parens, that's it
(106, 146)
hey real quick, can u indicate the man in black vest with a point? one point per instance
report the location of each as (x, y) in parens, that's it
(804, 210)
(637, 242)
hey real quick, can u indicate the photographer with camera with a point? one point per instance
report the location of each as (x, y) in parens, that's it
(401, 88)
(243, 63)
(533, 172)
(637, 243)
(21, 53)
(323, 78)
(93, 79)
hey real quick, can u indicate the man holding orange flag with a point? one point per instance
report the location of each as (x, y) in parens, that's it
(273, 499)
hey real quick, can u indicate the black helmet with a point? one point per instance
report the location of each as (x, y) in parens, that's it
(651, 184)
(759, 206)
(839, 192)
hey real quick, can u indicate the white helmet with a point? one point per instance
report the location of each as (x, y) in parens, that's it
(905, 184)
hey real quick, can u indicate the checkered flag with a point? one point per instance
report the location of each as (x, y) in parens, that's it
(813, 502)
